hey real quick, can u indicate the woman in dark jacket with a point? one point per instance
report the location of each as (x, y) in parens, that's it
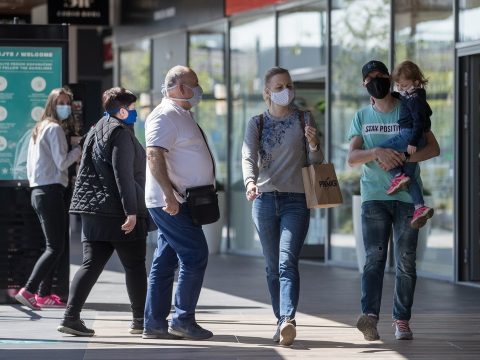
(109, 196)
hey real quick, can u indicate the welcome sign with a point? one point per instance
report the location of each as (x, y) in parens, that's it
(27, 75)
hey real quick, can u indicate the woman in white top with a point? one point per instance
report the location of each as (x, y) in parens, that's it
(47, 170)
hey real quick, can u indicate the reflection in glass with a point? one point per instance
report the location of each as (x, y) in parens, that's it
(206, 58)
(360, 32)
(468, 17)
(423, 34)
(302, 37)
(252, 53)
(135, 64)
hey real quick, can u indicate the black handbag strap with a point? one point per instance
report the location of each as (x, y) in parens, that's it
(213, 165)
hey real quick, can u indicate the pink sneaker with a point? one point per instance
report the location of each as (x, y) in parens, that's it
(27, 298)
(50, 301)
(397, 183)
(420, 217)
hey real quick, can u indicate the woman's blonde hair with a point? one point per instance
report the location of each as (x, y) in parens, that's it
(410, 71)
(50, 112)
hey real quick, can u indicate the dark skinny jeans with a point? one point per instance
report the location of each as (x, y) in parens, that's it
(49, 204)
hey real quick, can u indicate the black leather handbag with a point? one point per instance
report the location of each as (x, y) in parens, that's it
(202, 202)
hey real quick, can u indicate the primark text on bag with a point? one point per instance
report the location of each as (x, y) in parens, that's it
(321, 186)
(202, 201)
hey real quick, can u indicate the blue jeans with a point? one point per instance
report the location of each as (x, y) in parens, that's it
(378, 217)
(282, 221)
(399, 143)
(179, 242)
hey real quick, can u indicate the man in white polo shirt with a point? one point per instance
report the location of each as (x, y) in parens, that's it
(177, 158)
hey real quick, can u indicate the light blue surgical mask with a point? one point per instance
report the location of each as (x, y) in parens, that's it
(63, 111)
(193, 101)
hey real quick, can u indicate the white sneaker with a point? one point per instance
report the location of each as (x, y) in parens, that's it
(288, 332)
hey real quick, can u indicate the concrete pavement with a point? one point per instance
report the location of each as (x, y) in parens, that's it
(234, 304)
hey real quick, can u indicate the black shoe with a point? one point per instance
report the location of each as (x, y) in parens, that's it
(75, 327)
(158, 334)
(136, 326)
(191, 332)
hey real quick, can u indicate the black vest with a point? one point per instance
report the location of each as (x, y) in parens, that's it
(96, 191)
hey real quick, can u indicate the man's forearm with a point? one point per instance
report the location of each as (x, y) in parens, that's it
(158, 168)
(431, 150)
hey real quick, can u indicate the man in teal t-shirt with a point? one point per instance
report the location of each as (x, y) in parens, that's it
(370, 127)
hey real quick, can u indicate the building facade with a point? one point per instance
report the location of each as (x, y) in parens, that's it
(324, 44)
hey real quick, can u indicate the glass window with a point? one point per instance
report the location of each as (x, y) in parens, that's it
(359, 32)
(468, 16)
(424, 34)
(302, 37)
(252, 46)
(135, 65)
(206, 58)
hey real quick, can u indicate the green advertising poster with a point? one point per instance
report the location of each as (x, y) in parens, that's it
(27, 75)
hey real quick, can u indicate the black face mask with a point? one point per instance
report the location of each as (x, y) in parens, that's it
(378, 87)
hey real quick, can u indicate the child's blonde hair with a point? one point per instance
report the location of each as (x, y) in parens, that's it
(409, 70)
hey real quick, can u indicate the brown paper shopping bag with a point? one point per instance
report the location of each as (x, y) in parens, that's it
(321, 186)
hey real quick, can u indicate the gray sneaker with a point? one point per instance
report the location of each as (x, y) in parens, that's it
(367, 324)
(402, 330)
(190, 332)
(276, 336)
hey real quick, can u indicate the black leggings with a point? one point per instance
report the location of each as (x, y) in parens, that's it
(95, 256)
(49, 204)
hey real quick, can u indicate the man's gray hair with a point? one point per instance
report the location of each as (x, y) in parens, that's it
(174, 75)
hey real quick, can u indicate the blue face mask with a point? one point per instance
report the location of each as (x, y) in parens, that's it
(132, 117)
(63, 111)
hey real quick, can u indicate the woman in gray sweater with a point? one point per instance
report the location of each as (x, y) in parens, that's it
(276, 146)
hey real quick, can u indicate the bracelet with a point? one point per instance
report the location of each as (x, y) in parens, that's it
(313, 148)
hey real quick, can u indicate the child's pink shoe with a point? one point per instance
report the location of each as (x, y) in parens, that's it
(420, 217)
(397, 183)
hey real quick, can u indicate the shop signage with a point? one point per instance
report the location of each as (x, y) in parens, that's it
(88, 12)
(27, 75)
(237, 6)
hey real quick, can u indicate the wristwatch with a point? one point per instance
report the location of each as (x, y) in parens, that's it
(407, 156)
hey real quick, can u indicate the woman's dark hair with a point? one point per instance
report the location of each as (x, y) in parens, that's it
(115, 98)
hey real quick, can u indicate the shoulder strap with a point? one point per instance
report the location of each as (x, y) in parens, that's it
(260, 126)
(209, 151)
(213, 165)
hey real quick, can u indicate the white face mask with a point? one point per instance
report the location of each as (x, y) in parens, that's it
(193, 101)
(407, 92)
(282, 98)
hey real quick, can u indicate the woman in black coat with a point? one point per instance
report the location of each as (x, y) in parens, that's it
(109, 196)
